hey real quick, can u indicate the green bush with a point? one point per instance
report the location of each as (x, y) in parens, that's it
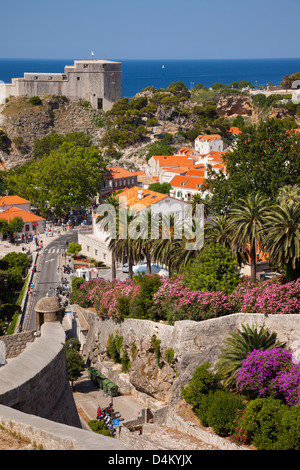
(143, 302)
(203, 382)
(222, 411)
(99, 427)
(35, 100)
(289, 430)
(262, 422)
(213, 269)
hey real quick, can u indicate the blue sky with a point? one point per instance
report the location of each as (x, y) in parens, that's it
(158, 29)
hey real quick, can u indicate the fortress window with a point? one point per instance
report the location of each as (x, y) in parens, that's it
(85, 66)
(36, 78)
(64, 77)
(78, 78)
(49, 78)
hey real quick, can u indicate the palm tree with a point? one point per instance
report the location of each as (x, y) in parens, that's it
(143, 244)
(112, 200)
(245, 225)
(198, 198)
(283, 237)
(289, 194)
(238, 345)
(162, 247)
(217, 231)
(123, 247)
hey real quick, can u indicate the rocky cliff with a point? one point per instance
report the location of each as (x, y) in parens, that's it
(235, 105)
(24, 122)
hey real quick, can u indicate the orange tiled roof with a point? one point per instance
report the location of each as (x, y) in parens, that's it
(133, 201)
(235, 130)
(185, 151)
(216, 155)
(208, 137)
(17, 212)
(115, 172)
(180, 181)
(200, 172)
(179, 169)
(174, 160)
(8, 200)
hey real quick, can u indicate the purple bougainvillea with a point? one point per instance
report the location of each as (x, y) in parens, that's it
(270, 373)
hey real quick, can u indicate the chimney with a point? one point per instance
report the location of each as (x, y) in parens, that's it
(172, 192)
(140, 194)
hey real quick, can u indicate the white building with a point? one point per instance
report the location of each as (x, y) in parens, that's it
(207, 143)
(138, 200)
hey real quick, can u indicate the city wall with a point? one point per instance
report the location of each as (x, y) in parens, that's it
(193, 343)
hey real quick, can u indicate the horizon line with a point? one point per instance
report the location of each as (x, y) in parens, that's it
(156, 59)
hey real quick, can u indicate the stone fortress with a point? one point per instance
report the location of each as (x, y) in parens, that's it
(96, 81)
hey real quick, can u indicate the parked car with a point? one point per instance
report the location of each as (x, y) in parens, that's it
(125, 268)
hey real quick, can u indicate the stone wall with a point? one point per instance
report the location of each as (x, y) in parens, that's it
(15, 344)
(193, 344)
(36, 381)
(48, 435)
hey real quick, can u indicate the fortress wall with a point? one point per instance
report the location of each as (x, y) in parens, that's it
(36, 381)
(15, 344)
(193, 342)
(48, 435)
(89, 80)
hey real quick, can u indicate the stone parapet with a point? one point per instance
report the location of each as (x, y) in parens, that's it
(48, 435)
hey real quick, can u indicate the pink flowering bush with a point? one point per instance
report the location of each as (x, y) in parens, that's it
(267, 297)
(270, 373)
(176, 302)
(172, 300)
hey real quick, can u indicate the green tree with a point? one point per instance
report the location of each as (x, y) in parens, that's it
(282, 237)
(245, 226)
(10, 228)
(213, 269)
(74, 248)
(53, 141)
(75, 364)
(67, 178)
(163, 188)
(255, 165)
(113, 201)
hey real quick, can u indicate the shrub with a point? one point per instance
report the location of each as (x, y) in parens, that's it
(142, 304)
(114, 347)
(35, 100)
(261, 421)
(213, 269)
(222, 410)
(270, 373)
(202, 383)
(99, 427)
(169, 355)
(289, 429)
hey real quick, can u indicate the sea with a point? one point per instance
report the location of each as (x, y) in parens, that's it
(139, 74)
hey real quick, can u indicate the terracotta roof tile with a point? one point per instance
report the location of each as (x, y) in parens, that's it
(149, 198)
(180, 181)
(115, 172)
(8, 200)
(209, 137)
(9, 214)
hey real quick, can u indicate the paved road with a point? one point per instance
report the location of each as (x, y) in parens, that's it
(49, 272)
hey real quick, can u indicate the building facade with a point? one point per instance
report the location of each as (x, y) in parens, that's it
(96, 81)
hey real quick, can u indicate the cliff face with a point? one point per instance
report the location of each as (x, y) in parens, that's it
(235, 105)
(24, 123)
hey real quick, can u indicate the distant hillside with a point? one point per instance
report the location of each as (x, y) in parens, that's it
(126, 131)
